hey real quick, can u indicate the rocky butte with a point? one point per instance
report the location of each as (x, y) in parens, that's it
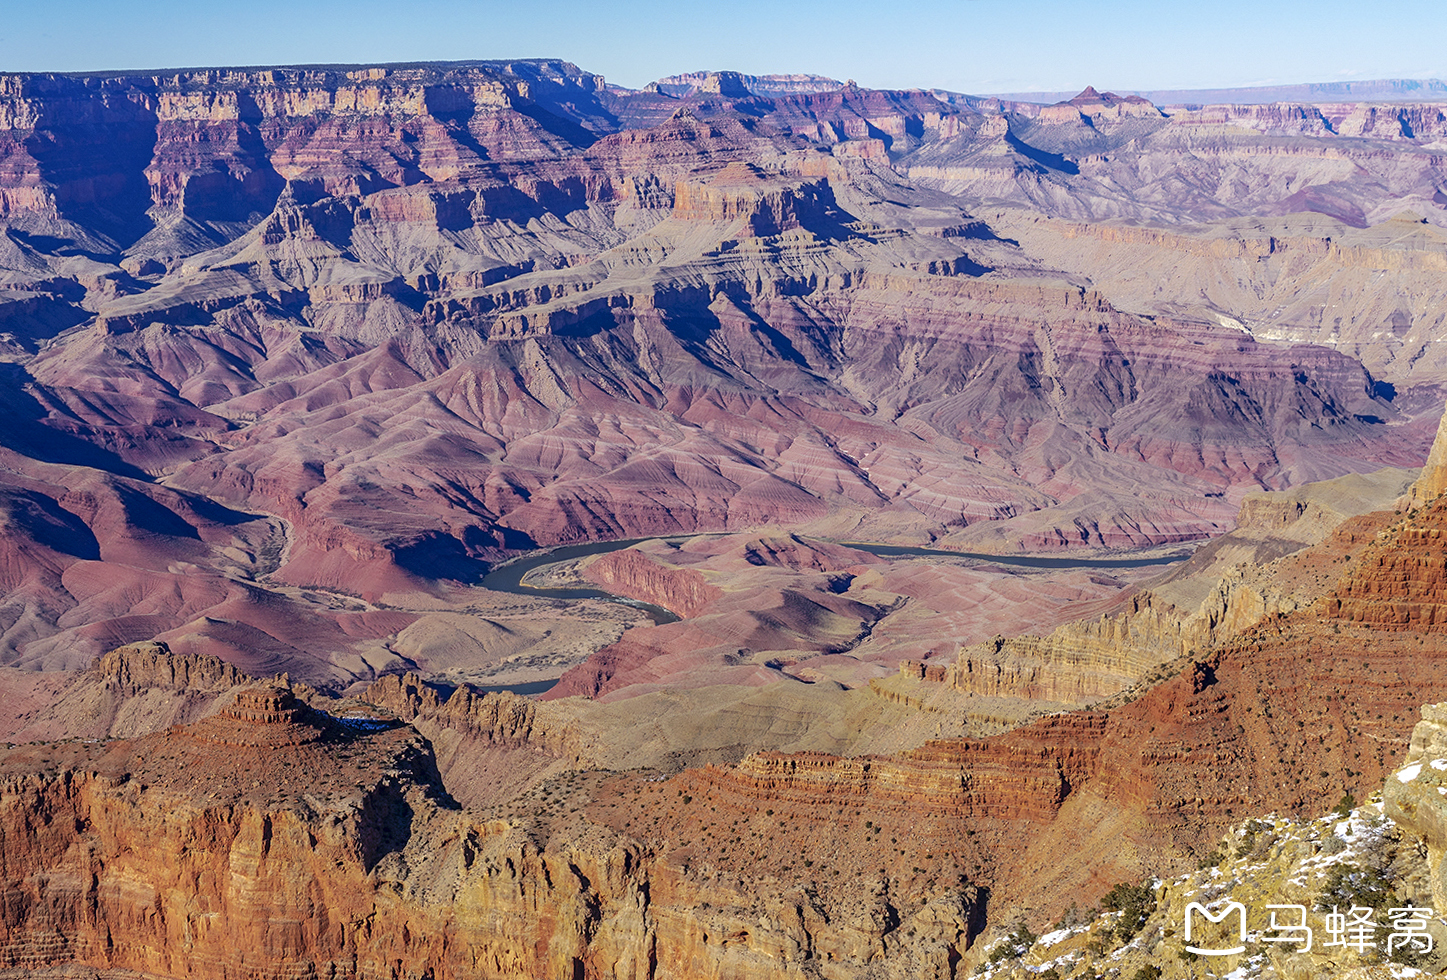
(295, 359)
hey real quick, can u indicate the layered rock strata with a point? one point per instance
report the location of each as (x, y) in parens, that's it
(342, 854)
(683, 591)
(556, 311)
(345, 852)
(1256, 572)
(133, 690)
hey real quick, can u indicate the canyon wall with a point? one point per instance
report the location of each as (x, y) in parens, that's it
(1259, 571)
(557, 311)
(225, 867)
(273, 837)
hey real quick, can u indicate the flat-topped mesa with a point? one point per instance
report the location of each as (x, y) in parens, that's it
(768, 203)
(729, 83)
(265, 716)
(732, 83)
(301, 89)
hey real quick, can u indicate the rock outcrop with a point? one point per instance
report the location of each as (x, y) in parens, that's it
(1414, 794)
(682, 591)
(497, 717)
(131, 691)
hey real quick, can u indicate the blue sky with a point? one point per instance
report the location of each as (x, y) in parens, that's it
(964, 45)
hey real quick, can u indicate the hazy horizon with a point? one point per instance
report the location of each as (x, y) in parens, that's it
(980, 46)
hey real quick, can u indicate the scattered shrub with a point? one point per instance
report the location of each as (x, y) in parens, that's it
(1135, 903)
(1012, 946)
(1348, 885)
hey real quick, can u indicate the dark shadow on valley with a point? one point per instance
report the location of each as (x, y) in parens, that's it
(25, 433)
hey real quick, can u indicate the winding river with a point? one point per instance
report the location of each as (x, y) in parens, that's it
(509, 577)
(1028, 561)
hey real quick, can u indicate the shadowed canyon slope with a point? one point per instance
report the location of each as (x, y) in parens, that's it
(315, 345)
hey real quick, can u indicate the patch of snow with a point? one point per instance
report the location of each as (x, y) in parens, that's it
(1410, 773)
(362, 723)
(1439, 764)
(1059, 936)
(1061, 962)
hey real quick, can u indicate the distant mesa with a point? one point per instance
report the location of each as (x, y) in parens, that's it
(726, 83)
(1090, 97)
(737, 85)
(1372, 90)
(1097, 104)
